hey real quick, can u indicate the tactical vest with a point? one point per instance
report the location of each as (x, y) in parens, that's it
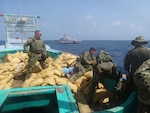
(141, 79)
(36, 45)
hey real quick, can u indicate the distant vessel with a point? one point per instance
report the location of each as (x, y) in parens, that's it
(67, 40)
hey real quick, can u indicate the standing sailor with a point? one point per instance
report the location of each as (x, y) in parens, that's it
(132, 61)
(36, 49)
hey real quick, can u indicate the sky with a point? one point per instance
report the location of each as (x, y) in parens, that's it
(84, 19)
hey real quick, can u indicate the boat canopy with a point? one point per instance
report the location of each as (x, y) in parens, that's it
(19, 25)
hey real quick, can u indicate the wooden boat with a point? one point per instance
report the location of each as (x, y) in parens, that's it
(53, 99)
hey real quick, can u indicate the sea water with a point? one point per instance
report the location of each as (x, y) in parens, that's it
(116, 48)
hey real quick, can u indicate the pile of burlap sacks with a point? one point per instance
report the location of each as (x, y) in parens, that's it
(15, 65)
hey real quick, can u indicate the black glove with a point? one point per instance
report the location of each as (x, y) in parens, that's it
(44, 56)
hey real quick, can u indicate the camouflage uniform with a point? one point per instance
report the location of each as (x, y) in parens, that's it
(36, 52)
(107, 70)
(83, 64)
(132, 61)
(142, 81)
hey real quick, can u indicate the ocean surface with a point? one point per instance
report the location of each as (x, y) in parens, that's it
(116, 48)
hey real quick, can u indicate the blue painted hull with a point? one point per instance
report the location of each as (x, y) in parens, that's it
(57, 99)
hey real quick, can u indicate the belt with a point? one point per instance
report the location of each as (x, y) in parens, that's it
(36, 51)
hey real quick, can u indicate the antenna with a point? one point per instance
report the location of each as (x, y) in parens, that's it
(20, 9)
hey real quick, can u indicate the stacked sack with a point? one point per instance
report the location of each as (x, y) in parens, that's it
(15, 66)
(66, 60)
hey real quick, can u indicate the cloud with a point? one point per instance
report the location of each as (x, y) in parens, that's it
(101, 31)
(132, 26)
(89, 17)
(136, 28)
(94, 24)
(91, 23)
(116, 23)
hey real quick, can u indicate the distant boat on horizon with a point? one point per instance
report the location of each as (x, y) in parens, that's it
(67, 40)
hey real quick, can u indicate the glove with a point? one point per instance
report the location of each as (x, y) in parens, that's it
(44, 56)
(97, 69)
(119, 85)
(124, 76)
(94, 62)
(29, 54)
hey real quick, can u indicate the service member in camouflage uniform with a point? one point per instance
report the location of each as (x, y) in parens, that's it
(104, 68)
(36, 49)
(141, 79)
(133, 60)
(83, 64)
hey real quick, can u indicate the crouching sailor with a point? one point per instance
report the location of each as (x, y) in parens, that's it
(105, 68)
(83, 64)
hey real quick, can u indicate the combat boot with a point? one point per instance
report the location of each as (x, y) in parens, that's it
(27, 75)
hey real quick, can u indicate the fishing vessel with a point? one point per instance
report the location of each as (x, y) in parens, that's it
(68, 40)
(58, 98)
